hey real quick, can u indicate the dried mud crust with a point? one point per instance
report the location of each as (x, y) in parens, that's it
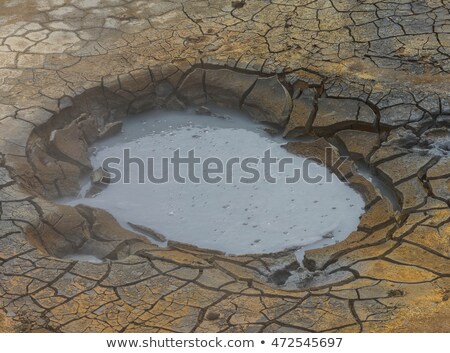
(62, 87)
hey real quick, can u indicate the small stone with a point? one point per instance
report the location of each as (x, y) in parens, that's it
(226, 87)
(126, 17)
(69, 143)
(66, 220)
(94, 190)
(100, 176)
(367, 190)
(237, 4)
(191, 91)
(211, 316)
(111, 129)
(148, 231)
(396, 293)
(268, 101)
(302, 114)
(89, 128)
(412, 194)
(316, 150)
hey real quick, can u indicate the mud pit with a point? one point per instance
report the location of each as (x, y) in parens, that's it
(382, 94)
(222, 212)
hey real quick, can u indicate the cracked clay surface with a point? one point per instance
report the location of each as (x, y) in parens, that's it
(372, 76)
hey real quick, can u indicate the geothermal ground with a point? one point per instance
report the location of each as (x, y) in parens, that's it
(368, 79)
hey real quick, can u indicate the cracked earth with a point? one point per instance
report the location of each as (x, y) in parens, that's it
(370, 76)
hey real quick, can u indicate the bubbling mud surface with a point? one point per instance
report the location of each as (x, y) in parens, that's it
(236, 218)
